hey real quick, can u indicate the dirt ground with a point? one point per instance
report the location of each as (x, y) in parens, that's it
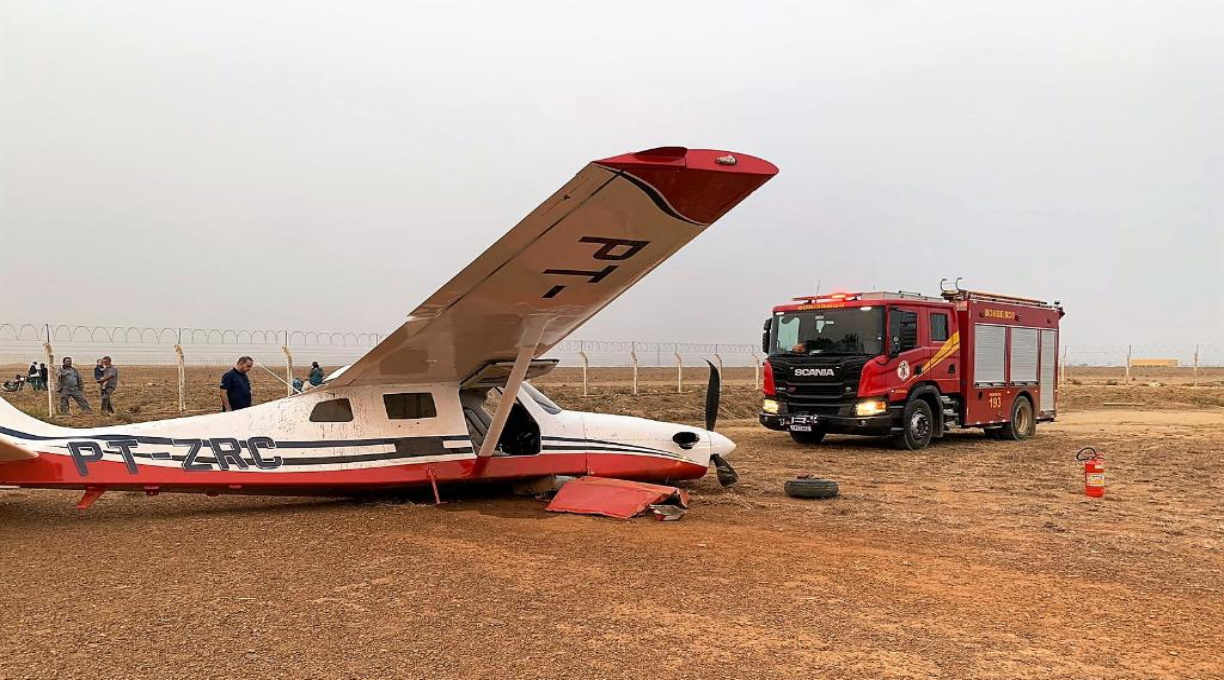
(972, 559)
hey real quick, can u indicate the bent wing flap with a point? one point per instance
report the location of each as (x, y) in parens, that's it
(617, 220)
(12, 453)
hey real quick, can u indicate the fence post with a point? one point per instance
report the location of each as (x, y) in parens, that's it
(181, 361)
(634, 358)
(1062, 368)
(586, 363)
(52, 377)
(1128, 363)
(756, 372)
(1196, 359)
(288, 368)
(679, 372)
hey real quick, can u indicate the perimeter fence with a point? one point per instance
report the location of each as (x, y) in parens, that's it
(154, 345)
(277, 350)
(164, 346)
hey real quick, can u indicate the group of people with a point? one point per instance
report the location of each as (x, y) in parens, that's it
(37, 378)
(235, 387)
(69, 384)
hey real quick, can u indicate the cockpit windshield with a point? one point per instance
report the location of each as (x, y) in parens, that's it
(847, 330)
(539, 398)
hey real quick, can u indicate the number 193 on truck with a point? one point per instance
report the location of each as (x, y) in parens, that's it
(910, 367)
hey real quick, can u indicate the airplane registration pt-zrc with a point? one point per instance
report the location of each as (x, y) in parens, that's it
(445, 397)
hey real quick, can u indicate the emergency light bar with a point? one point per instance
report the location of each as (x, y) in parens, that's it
(832, 297)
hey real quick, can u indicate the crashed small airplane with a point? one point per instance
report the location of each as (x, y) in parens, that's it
(445, 398)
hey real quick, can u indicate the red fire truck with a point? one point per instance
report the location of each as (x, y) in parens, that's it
(910, 367)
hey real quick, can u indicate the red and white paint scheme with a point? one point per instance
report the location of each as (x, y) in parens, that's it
(445, 397)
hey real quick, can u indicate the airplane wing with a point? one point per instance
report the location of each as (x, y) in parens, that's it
(613, 223)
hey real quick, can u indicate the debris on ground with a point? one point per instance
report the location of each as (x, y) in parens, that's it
(619, 498)
(807, 486)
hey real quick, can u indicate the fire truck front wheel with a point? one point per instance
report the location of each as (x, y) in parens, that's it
(917, 426)
(1022, 424)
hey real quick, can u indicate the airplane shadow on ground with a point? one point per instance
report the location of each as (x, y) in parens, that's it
(51, 507)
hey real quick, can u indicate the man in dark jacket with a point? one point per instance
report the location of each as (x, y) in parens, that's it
(236, 386)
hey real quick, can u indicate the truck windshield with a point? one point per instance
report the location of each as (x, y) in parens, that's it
(850, 330)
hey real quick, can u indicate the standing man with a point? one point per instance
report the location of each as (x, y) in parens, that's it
(69, 381)
(109, 382)
(32, 377)
(236, 386)
(42, 376)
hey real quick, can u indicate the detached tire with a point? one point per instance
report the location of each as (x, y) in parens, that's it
(813, 437)
(1023, 425)
(811, 488)
(918, 424)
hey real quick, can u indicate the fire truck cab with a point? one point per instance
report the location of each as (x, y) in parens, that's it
(910, 367)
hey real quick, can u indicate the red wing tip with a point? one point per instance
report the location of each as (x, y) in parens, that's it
(692, 159)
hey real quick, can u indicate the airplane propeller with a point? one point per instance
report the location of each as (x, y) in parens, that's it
(713, 397)
(726, 474)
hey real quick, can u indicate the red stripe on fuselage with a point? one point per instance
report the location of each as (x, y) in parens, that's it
(56, 471)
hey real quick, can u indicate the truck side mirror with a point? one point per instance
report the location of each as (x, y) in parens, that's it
(765, 336)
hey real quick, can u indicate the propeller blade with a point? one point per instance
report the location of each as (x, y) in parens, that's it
(713, 396)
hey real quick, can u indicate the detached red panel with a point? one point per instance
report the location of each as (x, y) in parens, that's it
(617, 498)
(699, 184)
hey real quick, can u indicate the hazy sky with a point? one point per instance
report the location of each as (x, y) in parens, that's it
(329, 165)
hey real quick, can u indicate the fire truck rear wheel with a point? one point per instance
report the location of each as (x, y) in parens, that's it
(918, 426)
(813, 437)
(1022, 425)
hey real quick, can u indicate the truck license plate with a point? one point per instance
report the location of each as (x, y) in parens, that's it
(797, 427)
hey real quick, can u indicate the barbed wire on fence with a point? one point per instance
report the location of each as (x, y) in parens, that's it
(203, 346)
(26, 332)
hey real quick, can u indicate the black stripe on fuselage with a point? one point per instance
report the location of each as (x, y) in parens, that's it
(401, 452)
(579, 440)
(169, 441)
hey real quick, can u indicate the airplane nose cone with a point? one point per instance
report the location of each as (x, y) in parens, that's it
(720, 445)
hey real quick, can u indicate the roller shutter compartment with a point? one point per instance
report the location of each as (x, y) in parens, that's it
(989, 354)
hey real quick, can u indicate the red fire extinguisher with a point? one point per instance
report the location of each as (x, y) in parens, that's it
(1094, 472)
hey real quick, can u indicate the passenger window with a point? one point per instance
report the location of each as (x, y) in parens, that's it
(334, 411)
(939, 327)
(410, 406)
(904, 329)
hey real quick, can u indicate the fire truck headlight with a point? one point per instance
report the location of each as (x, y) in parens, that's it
(770, 406)
(871, 407)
